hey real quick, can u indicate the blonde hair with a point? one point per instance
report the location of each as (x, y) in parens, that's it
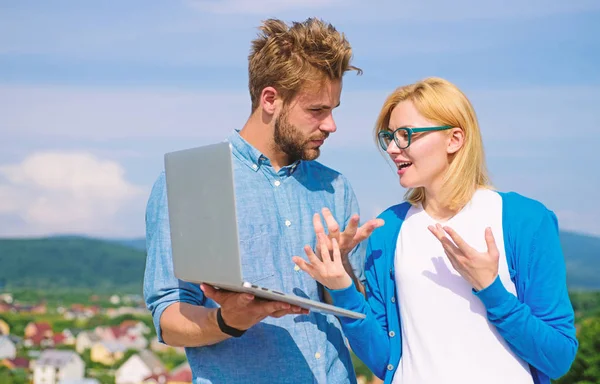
(443, 103)
(286, 57)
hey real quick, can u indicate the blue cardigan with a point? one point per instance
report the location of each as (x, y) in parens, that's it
(538, 324)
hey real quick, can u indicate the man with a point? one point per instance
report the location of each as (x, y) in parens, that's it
(295, 83)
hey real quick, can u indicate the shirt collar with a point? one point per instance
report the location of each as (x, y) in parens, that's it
(249, 155)
(252, 157)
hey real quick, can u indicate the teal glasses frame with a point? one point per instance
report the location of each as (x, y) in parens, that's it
(386, 137)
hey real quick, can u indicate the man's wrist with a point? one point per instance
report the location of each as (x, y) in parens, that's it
(347, 266)
(226, 329)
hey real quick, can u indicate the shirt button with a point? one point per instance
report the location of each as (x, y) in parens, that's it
(393, 299)
(254, 166)
(277, 183)
(296, 268)
(317, 355)
(288, 223)
(390, 367)
(392, 333)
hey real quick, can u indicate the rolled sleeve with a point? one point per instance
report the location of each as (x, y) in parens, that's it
(161, 287)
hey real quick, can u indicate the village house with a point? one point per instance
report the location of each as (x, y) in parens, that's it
(8, 349)
(107, 352)
(4, 328)
(54, 366)
(6, 298)
(37, 309)
(81, 381)
(68, 337)
(39, 335)
(16, 363)
(129, 337)
(85, 340)
(5, 307)
(157, 346)
(120, 311)
(135, 327)
(182, 374)
(40, 328)
(80, 312)
(139, 366)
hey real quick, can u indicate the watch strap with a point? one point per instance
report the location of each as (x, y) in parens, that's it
(226, 328)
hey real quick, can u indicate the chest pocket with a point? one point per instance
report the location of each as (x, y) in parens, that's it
(257, 245)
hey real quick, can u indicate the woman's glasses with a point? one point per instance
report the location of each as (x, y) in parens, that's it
(403, 136)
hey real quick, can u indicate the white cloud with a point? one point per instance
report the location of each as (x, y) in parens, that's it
(56, 192)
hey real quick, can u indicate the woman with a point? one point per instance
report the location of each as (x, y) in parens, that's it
(463, 284)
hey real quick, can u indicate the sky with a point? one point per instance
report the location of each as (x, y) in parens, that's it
(92, 94)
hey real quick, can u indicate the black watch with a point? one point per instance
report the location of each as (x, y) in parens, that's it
(226, 328)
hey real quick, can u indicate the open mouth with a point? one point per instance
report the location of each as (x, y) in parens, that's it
(404, 165)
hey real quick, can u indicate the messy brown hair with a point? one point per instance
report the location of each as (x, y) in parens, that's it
(286, 57)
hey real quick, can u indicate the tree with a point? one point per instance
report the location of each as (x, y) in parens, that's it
(17, 376)
(5, 375)
(586, 367)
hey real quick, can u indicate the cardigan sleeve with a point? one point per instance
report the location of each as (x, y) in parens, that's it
(540, 329)
(368, 337)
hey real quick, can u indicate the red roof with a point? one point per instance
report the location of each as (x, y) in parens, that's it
(59, 338)
(37, 338)
(118, 332)
(128, 323)
(42, 327)
(19, 362)
(184, 375)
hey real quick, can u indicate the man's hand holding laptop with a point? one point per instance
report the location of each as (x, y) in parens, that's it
(243, 310)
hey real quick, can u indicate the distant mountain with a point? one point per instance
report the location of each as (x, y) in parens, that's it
(582, 256)
(136, 243)
(118, 264)
(71, 262)
(132, 243)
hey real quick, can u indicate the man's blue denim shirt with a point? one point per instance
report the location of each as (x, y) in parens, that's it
(275, 211)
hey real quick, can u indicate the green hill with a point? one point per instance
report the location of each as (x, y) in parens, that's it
(70, 262)
(582, 256)
(79, 262)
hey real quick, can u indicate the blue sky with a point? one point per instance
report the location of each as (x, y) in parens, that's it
(92, 94)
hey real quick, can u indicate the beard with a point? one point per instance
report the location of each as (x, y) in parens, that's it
(290, 140)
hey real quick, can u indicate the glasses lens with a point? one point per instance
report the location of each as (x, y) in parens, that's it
(402, 137)
(385, 138)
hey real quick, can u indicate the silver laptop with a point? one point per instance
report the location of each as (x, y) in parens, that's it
(204, 225)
